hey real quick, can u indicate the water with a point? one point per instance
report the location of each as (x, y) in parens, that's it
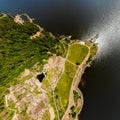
(83, 19)
(63, 17)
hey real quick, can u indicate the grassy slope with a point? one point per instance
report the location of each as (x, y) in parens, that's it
(76, 53)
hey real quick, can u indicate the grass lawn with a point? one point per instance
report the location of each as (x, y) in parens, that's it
(77, 53)
(64, 84)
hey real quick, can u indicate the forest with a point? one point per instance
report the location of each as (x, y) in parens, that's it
(18, 51)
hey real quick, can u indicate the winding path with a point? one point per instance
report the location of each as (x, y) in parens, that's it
(74, 86)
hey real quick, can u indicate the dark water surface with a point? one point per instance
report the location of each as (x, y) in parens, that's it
(83, 19)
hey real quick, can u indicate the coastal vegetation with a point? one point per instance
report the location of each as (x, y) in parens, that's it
(76, 54)
(23, 58)
(76, 96)
(93, 50)
(18, 51)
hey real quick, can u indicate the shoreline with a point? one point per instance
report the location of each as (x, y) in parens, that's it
(74, 86)
(48, 99)
(87, 65)
(79, 90)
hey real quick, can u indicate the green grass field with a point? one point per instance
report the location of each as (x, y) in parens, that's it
(64, 85)
(77, 53)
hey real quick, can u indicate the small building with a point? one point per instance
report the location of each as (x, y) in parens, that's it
(93, 40)
(18, 19)
(82, 42)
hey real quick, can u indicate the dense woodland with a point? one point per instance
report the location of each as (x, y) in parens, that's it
(18, 51)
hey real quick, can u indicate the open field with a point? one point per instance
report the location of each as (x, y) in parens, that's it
(77, 53)
(64, 84)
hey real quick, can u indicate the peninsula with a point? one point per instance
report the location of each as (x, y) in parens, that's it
(40, 72)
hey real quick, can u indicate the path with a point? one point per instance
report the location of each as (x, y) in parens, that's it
(74, 86)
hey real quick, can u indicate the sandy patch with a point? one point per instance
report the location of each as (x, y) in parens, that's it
(52, 114)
